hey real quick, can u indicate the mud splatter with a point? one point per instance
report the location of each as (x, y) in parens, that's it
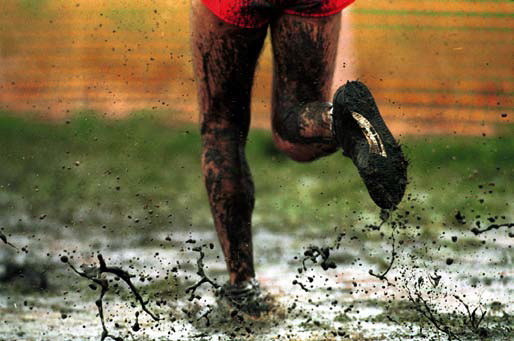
(423, 307)
(301, 285)
(200, 272)
(314, 252)
(385, 214)
(383, 275)
(4, 239)
(470, 325)
(478, 231)
(94, 274)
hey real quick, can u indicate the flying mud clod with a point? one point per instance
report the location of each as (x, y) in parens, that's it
(94, 274)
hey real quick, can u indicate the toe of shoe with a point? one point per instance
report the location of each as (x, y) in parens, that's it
(386, 183)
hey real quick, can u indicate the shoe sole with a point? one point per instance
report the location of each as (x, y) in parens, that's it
(377, 155)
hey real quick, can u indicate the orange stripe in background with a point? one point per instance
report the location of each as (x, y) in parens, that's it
(435, 66)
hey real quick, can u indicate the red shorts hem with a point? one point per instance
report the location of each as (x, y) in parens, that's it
(215, 8)
(241, 13)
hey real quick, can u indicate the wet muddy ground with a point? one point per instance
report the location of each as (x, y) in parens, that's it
(43, 299)
(440, 268)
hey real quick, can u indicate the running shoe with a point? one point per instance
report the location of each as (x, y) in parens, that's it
(364, 137)
(246, 297)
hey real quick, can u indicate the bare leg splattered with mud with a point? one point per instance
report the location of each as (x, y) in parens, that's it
(225, 57)
(304, 52)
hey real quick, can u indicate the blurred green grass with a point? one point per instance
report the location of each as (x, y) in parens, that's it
(143, 172)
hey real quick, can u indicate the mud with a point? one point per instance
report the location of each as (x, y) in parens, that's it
(203, 277)
(94, 274)
(4, 239)
(411, 295)
(422, 291)
(383, 275)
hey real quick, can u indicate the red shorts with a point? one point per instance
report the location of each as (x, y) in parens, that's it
(258, 13)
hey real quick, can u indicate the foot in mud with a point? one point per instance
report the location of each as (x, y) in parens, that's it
(246, 297)
(364, 137)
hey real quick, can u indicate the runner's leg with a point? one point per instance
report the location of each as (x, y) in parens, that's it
(225, 58)
(304, 50)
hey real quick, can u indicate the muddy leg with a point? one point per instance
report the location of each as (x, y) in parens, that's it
(304, 52)
(224, 59)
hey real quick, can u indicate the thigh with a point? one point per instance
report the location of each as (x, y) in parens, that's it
(304, 50)
(224, 60)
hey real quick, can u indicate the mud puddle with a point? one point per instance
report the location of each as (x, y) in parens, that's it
(431, 289)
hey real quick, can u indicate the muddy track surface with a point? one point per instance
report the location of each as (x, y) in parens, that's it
(372, 281)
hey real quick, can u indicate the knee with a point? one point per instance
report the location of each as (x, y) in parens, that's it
(286, 135)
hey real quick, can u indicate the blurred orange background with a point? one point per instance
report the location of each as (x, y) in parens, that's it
(440, 66)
